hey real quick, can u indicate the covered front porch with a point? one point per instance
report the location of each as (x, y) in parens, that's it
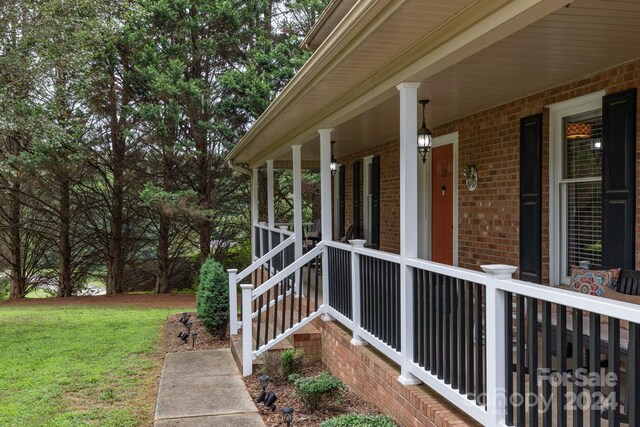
(504, 83)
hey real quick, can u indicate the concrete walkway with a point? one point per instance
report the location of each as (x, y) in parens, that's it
(204, 388)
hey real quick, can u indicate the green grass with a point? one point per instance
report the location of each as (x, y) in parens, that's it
(76, 366)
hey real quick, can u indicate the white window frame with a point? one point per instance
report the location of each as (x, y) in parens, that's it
(558, 238)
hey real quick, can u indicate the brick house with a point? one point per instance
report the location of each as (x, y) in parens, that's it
(448, 300)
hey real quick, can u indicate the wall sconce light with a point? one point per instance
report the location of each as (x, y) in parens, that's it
(443, 190)
(287, 415)
(334, 163)
(424, 134)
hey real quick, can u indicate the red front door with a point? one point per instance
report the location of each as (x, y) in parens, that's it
(442, 204)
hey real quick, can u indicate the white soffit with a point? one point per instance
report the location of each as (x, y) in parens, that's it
(572, 42)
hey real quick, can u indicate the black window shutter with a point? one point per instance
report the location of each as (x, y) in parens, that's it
(531, 198)
(356, 200)
(618, 179)
(375, 202)
(341, 213)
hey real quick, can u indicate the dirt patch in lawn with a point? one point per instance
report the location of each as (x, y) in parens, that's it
(131, 300)
(285, 391)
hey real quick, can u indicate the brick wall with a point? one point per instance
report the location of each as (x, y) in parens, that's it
(488, 219)
(375, 379)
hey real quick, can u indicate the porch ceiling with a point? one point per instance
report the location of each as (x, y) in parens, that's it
(572, 42)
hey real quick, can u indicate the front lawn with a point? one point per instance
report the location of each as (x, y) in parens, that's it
(78, 365)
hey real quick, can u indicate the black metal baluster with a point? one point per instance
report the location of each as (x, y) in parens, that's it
(479, 347)
(439, 327)
(426, 309)
(292, 285)
(397, 306)
(284, 303)
(300, 290)
(258, 325)
(317, 284)
(594, 367)
(417, 318)
(462, 383)
(432, 323)
(455, 285)
(633, 368)
(275, 310)
(508, 318)
(266, 321)
(532, 346)
(561, 350)
(578, 349)
(547, 350)
(446, 347)
(470, 332)
(309, 285)
(613, 366)
(520, 359)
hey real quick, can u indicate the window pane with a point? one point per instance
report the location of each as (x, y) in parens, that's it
(584, 223)
(583, 145)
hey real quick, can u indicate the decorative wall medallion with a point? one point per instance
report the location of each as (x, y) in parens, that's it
(471, 177)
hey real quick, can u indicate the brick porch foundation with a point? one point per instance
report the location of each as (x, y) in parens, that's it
(374, 378)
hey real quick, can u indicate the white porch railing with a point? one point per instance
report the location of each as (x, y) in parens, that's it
(281, 305)
(266, 238)
(506, 352)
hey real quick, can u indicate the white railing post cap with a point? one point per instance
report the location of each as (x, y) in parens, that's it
(232, 270)
(283, 227)
(262, 222)
(358, 243)
(247, 287)
(500, 271)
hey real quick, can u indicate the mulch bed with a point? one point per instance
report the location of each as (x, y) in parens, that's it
(204, 341)
(285, 391)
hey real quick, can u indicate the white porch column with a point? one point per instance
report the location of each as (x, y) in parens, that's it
(297, 207)
(254, 212)
(270, 209)
(408, 220)
(325, 211)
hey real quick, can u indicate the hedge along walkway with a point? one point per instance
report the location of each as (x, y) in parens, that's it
(204, 388)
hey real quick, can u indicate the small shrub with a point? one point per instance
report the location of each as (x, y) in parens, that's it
(359, 420)
(291, 360)
(271, 365)
(213, 298)
(317, 390)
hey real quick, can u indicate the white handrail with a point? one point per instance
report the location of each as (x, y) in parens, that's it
(386, 256)
(266, 257)
(337, 245)
(280, 276)
(447, 270)
(603, 306)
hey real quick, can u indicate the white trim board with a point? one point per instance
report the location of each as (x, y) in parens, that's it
(424, 189)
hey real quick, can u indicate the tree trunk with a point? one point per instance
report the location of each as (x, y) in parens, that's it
(162, 278)
(205, 240)
(18, 281)
(115, 264)
(64, 279)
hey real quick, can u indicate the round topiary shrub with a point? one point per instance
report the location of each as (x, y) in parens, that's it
(359, 420)
(213, 298)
